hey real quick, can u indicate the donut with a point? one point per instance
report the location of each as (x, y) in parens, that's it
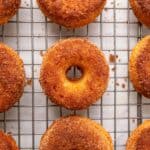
(139, 139)
(12, 77)
(139, 67)
(79, 93)
(141, 9)
(8, 9)
(72, 13)
(75, 133)
(7, 142)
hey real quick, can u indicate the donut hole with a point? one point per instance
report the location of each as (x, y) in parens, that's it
(74, 73)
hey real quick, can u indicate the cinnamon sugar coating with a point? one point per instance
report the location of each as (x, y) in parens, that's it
(75, 133)
(141, 9)
(78, 94)
(71, 13)
(139, 67)
(139, 138)
(12, 77)
(7, 142)
(8, 8)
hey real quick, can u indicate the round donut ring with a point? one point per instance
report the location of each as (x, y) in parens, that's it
(7, 142)
(12, 77)
(71, 13)
(76, 133)
(141, 9)
(74, 94)
(8, 9)
(139, 67)
(139, 139)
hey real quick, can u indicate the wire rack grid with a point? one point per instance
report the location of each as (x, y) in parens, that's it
(116, 31)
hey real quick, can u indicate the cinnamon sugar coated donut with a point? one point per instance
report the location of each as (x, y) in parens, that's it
(8, 9)
(7, 142)
(139, 67)
(12, 77)
(80, 93)
(139, 139)
(75, 133)
(71, 13)
(141, 9)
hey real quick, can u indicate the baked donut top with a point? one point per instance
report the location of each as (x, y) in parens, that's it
(7, 142)
(8, 7)
(143, 142)
(74, 94)
(12, 77)
(4, 144)
(10, 70)
(143, 67)
(145, 5)
(70, 9)
(75, 133)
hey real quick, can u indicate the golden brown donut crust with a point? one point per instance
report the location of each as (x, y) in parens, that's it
(141, 9)
(7, 142)
(139, 67)
(74, 94)
(71, 13)
(75, 133)
(8, 8)
(139, 139)
(12, 77)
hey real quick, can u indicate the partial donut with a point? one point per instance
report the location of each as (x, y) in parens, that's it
(139, 139)
(7, 142)
(71, 13)
(79, 93)
(141, 9)
(8, 9)
(12, 77)
(75, 133)
(139, 67)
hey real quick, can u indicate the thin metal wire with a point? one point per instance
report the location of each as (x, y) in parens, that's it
(46, 44)
(33, 86)
(139, 98)
(60, 37)
(115, 79)
(4, 112)
(19, 101)
(88, 111)
(128, 44)
(101, 44)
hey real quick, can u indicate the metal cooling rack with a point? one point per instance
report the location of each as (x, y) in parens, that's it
(116, 32)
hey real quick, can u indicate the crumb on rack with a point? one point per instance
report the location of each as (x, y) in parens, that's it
(114, 68)
(123, 85)
(112, 58)
(29, 82)
(10, 133)
(41, 53)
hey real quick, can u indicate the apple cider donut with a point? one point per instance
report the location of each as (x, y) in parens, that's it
(12, 77)
(71, 13)
(7, 142)
(141, 9)
(76, 133)
(8, 9)
(139, 67)
(79, 93)
(139, 139)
